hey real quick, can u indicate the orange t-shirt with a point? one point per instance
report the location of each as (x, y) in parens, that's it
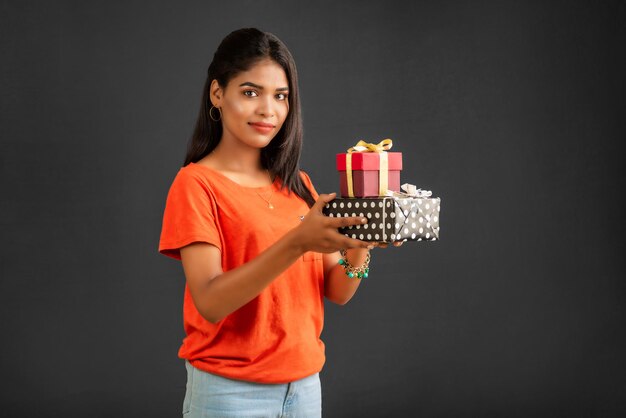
(274, 338)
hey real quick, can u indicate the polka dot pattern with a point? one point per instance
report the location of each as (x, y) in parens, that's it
(389, 218)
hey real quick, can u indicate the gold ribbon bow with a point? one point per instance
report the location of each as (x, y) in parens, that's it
(383, 176)
(363, 146)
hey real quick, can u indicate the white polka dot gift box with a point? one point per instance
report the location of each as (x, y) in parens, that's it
(410, 216)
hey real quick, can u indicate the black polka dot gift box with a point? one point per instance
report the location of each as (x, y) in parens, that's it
(412, 216)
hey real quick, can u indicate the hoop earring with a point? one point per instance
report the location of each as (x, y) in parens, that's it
(211, 114)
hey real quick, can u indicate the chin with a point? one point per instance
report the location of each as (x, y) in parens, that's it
(260, 142)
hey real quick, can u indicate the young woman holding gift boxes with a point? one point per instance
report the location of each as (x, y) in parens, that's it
(258, 255)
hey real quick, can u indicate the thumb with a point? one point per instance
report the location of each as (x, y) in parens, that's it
(323, 199)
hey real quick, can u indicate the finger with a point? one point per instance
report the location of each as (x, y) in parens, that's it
(382, 245)
(349, 221)
(322, 200)
(354, 243)
(398, 243)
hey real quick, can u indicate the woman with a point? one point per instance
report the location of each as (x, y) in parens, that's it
(257, 253)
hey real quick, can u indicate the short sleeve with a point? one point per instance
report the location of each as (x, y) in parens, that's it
(309, 184)
(189, 216)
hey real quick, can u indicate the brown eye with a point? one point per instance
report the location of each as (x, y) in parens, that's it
(250, 93)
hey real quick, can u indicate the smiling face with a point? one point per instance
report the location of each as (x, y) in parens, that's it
(253, 104)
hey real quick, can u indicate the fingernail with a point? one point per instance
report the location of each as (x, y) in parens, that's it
(363, 220)
(369, 247)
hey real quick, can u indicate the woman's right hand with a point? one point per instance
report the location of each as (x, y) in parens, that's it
(318, 232)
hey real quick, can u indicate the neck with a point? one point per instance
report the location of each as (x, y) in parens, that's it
(237, 157)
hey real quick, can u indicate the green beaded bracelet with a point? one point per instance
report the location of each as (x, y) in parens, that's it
(352, 272)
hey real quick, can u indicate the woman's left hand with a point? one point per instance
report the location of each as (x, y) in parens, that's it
(384, 244)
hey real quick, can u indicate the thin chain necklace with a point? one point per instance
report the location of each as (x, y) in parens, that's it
(268, 201)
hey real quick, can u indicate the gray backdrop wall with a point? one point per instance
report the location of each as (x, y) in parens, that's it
(511, 112)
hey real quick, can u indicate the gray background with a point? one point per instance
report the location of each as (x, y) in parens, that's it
(511, 112)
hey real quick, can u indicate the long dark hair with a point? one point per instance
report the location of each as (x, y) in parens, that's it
(238, 52)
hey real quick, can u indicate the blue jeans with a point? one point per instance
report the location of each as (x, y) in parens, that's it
(209, 395)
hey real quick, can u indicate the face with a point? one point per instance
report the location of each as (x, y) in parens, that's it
(253, 104)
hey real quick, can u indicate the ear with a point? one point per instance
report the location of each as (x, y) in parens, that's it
(216, 93)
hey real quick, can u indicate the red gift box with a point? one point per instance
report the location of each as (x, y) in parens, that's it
(363, 170)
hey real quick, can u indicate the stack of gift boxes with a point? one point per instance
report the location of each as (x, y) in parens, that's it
(370, 186)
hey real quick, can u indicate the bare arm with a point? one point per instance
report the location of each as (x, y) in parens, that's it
(216, 293)
(338, 287)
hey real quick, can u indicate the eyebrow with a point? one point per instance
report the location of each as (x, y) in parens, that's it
(256, 86)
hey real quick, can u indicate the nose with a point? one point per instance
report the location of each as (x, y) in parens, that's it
(266, 107)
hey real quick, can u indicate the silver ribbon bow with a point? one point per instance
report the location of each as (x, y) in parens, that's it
(410, 190)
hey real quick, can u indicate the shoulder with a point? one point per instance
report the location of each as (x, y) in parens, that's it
(305, 178)
(195, 175)
(190, 171)
(191, 190)
(192, 182)
(308, 183)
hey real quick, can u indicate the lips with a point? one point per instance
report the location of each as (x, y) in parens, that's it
(262, 126)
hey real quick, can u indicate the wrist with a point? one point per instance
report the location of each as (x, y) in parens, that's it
(357, 270)
(356, 256)
(294, 241)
